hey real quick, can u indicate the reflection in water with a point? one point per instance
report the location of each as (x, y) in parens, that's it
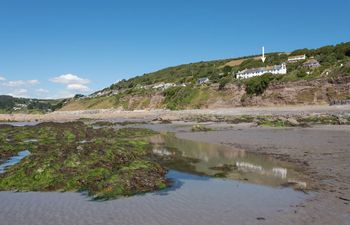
(249, 167)
(161, 151)
(229, 162)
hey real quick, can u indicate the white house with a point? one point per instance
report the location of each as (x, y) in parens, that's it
(296, 58)
(277, 69)
(312, 63)
(164, 86)
(203, 80)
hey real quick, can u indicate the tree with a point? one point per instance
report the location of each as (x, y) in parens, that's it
(223, 82)
(227, 69)
(78, 96)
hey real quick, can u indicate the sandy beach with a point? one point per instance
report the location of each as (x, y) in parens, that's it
(176, 115)
(321, 152)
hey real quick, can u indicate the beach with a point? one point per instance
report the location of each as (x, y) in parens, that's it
(320, 152)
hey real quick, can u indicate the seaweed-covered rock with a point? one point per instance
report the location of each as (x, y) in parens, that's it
(105, 163)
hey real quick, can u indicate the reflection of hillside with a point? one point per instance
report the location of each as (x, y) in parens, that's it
(245, 166)
(204, 151)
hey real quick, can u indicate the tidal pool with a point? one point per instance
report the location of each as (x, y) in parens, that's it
(248, 188)
(13, 160)
(228, 162)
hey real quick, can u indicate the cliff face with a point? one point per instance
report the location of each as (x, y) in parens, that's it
(319, 91)
(302, 92)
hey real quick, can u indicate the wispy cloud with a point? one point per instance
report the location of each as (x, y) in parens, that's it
(20, 83)
(78, 87)
(70, 79)
(20, 93)
(72, 82)
(2, 78)
(42, 91)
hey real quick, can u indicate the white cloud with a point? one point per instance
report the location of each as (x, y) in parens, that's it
(20, 83)
(78, 87)
(2, 78)
(32, 82)
(19, 93)
(73, 83)
(42, 91)
(69, 79)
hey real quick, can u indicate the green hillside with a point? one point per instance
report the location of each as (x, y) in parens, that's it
(183, 92)
(9, 104)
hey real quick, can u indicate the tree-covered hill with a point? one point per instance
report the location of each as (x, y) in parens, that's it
(9, 104)
(178, 88)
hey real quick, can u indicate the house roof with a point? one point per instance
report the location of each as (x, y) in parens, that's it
(311, 61)
(296, 56)
(261, 69)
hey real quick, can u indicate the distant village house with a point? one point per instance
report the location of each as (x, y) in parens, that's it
(312, 63)
(296, 58)
(202, 80)
(277, 69)
(164, 86)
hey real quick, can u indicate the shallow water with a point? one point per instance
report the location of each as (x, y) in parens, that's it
(253, 168)
(20, 124)
(13, 160)
(192, 200)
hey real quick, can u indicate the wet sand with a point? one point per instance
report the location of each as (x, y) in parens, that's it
(193, 200)
(322, 153)
(174, 115)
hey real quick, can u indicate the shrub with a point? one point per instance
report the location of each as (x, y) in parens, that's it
(179, 97)
(223, 82)
(257, 85)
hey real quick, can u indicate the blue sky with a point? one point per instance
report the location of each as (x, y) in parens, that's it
(51, 49)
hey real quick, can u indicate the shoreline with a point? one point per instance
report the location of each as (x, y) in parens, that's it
(321, 153)
(178, 115)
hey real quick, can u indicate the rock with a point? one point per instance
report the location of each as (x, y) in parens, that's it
(342, 120)
(293, 122)
(260, 218)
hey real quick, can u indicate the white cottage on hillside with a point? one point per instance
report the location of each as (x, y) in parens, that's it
(202, 80)
(296, 58)
(164, 86)
(277, 69)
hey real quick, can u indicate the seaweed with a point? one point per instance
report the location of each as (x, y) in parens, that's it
(105, 163)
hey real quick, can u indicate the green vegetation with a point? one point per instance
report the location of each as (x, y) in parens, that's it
(179, 97)
(137, 92)
(257, 85)
(106, 163)
(274, 121)
(9, 104)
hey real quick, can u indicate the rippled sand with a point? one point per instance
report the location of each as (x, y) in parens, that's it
(194, 200)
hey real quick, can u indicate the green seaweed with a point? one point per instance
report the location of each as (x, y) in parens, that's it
(105, 163)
